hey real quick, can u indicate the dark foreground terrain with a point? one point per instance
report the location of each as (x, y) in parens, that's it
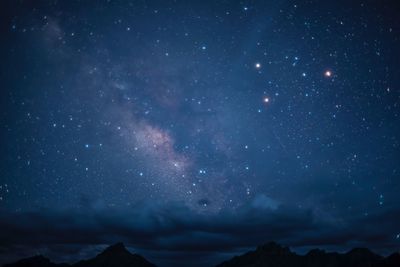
(274, 255)
(268, 255)
(114, 256)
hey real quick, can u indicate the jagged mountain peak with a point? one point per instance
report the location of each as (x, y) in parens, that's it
(275, 255)
(116, 248)
(273, 248)
(270, 254)
(115, 256)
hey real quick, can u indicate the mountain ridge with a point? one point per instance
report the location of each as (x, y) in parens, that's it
(267, 255)
(113, 256)
(275, 255)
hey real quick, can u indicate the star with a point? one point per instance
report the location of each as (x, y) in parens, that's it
(328, 73)
(172, 119)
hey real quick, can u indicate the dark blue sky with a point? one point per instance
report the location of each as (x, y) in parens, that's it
(194, 130)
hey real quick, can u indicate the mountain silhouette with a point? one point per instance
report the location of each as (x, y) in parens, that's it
(267, 255)
(274, 255)
(36, 261)
(113, 256)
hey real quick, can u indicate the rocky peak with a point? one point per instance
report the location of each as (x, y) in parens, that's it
(116, 248)
(273, 248)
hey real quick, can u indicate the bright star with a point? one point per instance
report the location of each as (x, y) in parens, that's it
(328, 73)
(266, 99)
(258, 65)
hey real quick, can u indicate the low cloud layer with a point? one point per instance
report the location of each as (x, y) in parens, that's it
(173, 233)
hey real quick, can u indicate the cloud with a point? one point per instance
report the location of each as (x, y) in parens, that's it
(175, 229)
(263, 202)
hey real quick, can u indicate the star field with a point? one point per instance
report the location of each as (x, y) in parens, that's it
(199, 116)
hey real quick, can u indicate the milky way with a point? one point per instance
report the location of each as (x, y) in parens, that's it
(173, 125)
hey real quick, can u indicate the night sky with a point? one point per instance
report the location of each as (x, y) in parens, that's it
(196, 130)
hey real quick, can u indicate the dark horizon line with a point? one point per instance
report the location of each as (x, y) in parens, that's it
(120, 246)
